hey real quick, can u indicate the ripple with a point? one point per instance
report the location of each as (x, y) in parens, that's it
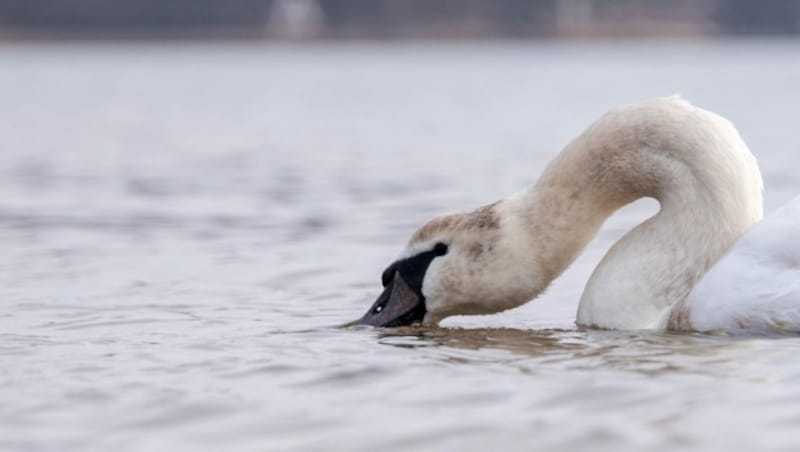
(171, 279)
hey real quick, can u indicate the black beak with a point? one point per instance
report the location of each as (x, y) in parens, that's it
(398, 305)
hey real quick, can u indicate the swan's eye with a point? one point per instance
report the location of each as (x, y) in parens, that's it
(388, 274)
(413, 267)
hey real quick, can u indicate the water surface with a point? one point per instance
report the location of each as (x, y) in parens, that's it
(183, 226)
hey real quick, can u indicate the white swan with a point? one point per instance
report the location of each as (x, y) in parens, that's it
(710, 191)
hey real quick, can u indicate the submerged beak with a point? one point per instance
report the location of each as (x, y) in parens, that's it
(398, 305)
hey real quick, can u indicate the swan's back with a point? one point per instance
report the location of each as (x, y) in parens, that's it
(756, 286)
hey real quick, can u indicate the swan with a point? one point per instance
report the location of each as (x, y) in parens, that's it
(659, 275)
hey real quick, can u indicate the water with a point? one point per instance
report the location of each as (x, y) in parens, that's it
(183, 226)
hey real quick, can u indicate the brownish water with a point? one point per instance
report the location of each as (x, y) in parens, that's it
(183, 226)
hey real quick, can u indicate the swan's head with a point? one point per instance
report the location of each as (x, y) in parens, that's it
(458, 264)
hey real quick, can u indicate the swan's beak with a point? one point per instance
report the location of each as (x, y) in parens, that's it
(398, 305)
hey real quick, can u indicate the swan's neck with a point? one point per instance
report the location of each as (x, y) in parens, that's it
(692, 161)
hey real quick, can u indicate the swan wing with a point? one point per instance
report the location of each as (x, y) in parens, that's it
(756, 286)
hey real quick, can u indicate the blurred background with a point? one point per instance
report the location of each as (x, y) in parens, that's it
(193, 193)
(391, 19)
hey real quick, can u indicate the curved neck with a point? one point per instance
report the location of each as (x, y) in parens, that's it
(692, 161)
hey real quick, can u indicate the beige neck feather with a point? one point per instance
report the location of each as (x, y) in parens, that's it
(692, 161)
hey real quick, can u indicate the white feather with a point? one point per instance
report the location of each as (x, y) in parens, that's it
(756, 286)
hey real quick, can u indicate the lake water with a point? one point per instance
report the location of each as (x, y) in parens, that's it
(183, 226)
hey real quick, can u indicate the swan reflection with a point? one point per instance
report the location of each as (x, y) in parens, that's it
(579, 349)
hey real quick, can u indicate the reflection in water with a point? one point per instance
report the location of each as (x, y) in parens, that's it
(580, 348)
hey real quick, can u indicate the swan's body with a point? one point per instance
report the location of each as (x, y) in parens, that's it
(753, 288)
(710, 190)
